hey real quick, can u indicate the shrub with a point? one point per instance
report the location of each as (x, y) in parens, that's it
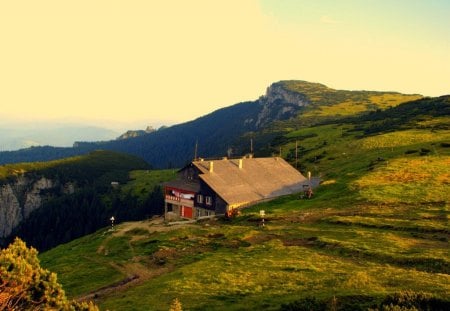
(424, 151)
(176, 305)
(305, 304)
(410, 300)
(24, 285)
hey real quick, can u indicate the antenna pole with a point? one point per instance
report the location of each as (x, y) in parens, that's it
(251, 146)
(195, 150)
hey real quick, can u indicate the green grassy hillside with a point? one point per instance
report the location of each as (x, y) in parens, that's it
(329, 103)
(79, 169)
(325, 106)
(143, 181)
(378, 224)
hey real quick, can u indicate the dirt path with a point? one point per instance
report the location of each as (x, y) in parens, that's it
(153, 225)
(135, 272)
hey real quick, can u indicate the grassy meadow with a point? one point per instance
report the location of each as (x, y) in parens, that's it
(378, 224)
(143, 181)
(82, 168)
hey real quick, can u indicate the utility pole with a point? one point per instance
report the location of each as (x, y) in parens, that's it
(195, 150)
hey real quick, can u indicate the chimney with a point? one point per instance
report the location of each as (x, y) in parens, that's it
(211, 166)
(240, 163)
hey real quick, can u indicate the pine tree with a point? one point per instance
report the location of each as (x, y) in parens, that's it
(175, 305)
(25, 285)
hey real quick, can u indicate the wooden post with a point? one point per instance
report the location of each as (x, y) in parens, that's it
(196, 150)
(165, 209)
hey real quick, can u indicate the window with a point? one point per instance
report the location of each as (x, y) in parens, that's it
(208, 200)
(199, 198)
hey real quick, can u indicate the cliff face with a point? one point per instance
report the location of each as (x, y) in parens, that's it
(10, 210)
(136, 133)
(22, 196)
(279, 104)
(277, 92)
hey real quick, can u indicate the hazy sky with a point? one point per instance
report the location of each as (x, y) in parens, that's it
(115, 62)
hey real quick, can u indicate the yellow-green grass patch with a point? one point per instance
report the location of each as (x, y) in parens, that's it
(387, 100)
(410, 180)
(401, 139)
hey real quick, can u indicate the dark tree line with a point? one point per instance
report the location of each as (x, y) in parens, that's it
(68, 217)
(215, 133)
(403, 116)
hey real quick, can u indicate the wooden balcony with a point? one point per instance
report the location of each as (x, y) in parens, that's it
(179, 201)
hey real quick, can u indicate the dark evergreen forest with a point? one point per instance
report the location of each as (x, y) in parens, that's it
(68, 217)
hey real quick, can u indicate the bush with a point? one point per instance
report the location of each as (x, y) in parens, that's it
(409, 300)
(305, 304)
(402, 301)
(176, 305)
(424, 151)
(24, 285)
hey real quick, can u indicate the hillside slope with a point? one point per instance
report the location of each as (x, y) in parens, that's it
(378, 224)
(223, 131)
(29, 190)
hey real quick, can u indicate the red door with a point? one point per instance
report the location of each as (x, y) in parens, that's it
(186, 212)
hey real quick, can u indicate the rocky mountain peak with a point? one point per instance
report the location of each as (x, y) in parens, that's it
(279, 103)
(136, 133)
(279, 93)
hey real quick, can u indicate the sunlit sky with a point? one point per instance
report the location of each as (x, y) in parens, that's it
(131, 62)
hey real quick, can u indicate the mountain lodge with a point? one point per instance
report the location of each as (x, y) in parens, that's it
(215, 187)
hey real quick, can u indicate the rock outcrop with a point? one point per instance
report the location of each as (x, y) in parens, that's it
(279, 103)
(278, 93)
(10, 210)
(22, 196)
(136, 133)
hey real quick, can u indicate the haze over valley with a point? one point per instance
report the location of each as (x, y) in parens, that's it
(19, 136)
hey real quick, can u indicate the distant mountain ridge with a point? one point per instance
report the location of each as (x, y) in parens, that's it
(135, 133)
(227, 131)
(18, 137)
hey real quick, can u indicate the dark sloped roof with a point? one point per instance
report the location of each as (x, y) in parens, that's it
(258, 179)
(183, 184)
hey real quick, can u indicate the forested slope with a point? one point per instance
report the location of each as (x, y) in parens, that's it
(48, 203)
(227, 131)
